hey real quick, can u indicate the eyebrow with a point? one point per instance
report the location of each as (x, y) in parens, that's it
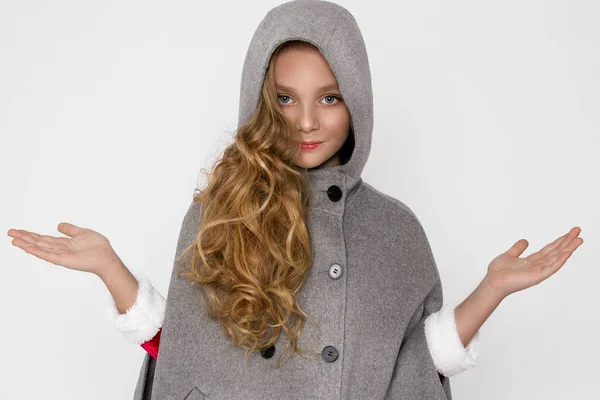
(325, 88)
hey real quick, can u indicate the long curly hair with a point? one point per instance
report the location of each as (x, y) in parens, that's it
(253, 249)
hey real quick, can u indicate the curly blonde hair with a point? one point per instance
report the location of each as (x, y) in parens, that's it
(253, 249)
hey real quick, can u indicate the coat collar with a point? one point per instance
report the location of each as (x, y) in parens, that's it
(332, 190)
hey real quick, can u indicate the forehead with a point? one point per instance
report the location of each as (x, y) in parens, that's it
(302, 66)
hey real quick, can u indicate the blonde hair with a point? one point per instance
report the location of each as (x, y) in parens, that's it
(253, 248)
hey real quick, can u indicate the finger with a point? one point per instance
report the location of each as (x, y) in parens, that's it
(558, 242)
(21, 232)
(57, 257)
(550, 246)
(53, 240)
(559, 259)
(569, 244)
(22, 243)
(25, 245)
(558, 263)
(13, 232)
(518, 248)
(550, 252)
(572, 246)
(26, 239)
(571, 238)
(34, 238)
(16, 232)
(70, 229)
(45, 255)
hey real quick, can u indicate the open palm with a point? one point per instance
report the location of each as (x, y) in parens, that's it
(85, 249)
(509, 274)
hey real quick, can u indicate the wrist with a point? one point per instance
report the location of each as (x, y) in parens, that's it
(110, 270)
(491, 290)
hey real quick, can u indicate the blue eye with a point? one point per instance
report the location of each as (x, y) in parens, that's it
(332, 98)
(284, 96)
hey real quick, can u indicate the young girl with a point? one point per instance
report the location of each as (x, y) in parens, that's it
(288, 252)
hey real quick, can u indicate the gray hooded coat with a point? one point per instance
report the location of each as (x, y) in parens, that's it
(373, 282)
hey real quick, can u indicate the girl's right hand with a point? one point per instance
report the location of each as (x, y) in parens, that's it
(85, 250)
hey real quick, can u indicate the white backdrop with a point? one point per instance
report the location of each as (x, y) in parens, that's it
(486, 125)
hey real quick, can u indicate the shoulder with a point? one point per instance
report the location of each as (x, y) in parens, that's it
(193, 210)
(397, 219)
(394, 236)
(389, 204)
(191, 219)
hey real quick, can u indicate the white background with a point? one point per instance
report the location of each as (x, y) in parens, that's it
(487, 125)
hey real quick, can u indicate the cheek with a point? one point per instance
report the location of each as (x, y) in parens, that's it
(336, 122)
(288, 113)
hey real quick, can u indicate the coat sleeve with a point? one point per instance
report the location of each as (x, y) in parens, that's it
(142, 324)
(449, 355)
(143, 389)
(143, 320)
(431, 352)
(415, 374)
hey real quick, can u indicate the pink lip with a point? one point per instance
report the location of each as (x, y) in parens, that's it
(310, 145)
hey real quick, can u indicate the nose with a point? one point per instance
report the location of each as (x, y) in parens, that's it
(308, 120)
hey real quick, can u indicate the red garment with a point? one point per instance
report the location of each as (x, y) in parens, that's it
(151, 346)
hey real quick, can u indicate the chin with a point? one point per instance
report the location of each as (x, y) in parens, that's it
(309, 162)
(307, 165)
(312, 162)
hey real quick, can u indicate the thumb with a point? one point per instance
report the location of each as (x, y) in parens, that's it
(69, 229)
(518, 248)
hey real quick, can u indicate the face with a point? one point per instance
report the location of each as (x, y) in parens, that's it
(310, 98)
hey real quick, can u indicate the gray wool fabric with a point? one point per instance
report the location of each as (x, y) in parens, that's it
(372, 314)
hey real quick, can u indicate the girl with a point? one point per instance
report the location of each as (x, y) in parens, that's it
(288, 252)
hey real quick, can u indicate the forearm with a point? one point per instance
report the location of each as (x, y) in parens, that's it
(141, 308)
(121, 284)
(475, 310)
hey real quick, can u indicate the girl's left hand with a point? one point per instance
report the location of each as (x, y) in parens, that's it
(508, 273)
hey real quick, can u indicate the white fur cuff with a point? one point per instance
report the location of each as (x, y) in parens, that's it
(144, 318)
(449, 355)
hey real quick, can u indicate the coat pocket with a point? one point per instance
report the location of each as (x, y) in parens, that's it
(195, 394)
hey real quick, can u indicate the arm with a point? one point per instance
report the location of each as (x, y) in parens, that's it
(450, 354)
(121, 284)
(508, 274)
(475, 310)
(142, 322)
(447, 332)
(417, 373)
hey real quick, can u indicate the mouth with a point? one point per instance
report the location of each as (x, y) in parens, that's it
(310, 145)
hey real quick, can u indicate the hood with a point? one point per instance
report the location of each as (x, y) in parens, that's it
(334, 31)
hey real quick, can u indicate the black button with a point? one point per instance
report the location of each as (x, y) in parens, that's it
(268, 352)
(330, 354)
(334, 192)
